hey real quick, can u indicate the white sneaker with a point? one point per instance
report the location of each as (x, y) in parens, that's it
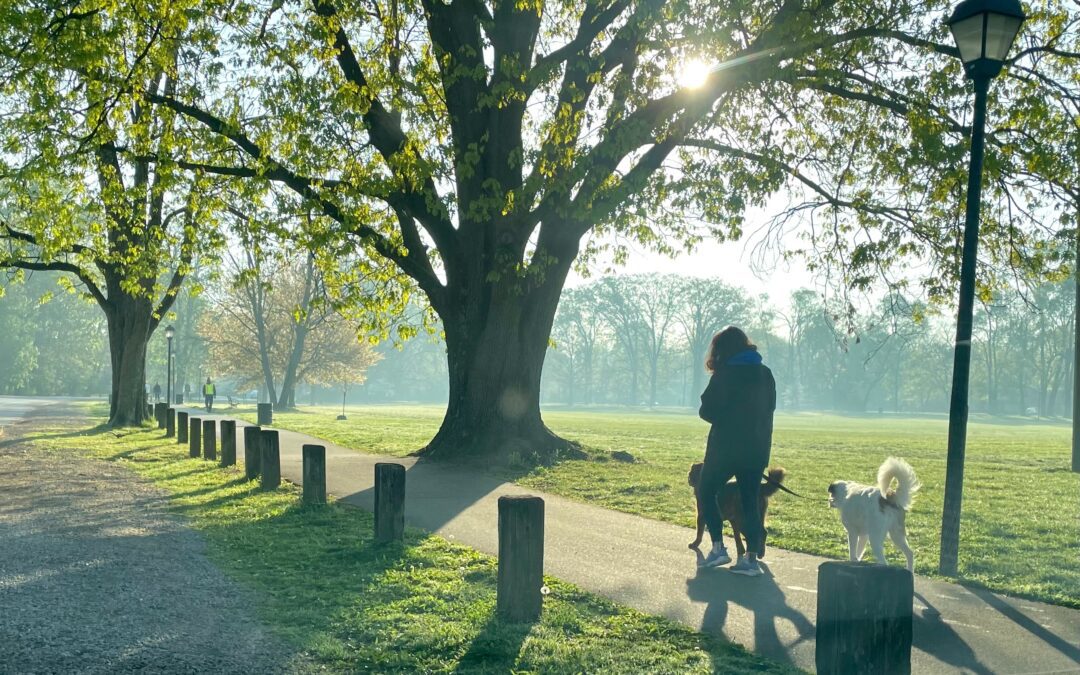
(716, 558)
(747, 567)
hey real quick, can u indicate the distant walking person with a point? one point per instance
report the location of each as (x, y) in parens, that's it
(739, 403)
(187, 392)
(209, 390)
(157, 392)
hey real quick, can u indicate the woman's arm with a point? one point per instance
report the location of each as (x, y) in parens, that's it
(713, 399)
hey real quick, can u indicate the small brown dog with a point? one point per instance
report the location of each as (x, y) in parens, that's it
(728, 501)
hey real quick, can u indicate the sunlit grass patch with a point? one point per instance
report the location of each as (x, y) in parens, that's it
(425, 606)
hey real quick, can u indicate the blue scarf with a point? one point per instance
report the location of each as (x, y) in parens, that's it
(749, 357)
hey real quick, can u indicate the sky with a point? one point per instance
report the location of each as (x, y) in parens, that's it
(734, 262)
(743, 263)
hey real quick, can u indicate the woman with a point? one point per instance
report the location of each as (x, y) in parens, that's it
(739, 404)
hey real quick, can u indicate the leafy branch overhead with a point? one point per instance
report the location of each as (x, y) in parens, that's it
(481, 147)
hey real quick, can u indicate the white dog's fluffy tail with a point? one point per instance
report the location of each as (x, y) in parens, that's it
(906, 480)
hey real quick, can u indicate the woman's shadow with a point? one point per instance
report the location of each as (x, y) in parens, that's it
(760, 596)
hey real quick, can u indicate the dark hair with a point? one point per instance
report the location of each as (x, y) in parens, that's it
(725, 344)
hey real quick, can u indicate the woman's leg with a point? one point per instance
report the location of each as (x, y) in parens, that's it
(712, 479)
(749, 483)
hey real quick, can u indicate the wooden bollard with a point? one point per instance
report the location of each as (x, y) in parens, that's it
(389, 502)
(181, 427)
(228, 442)
(266, 414)
(194, 436)
(314, 474)
(170, 422)
(159, 414)
(863, 618)
(521, 558)
(252, 452)
(270, 459)
(209, 440)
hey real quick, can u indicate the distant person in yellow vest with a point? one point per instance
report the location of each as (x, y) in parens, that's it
(208, 391)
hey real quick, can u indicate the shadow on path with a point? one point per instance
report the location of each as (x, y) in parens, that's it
(935, 637)
(760, 596)
(1010, 612)
(446, 490)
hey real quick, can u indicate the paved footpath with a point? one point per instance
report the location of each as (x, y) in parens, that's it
(645, 564)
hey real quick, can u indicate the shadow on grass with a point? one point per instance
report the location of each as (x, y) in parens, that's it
(207, 490)
(325, 588)
(495, 648)
(49, 436)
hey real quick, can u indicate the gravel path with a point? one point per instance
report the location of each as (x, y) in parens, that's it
(96, 576)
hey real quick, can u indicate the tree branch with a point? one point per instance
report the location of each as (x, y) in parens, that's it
(59, 266)
(309, 189)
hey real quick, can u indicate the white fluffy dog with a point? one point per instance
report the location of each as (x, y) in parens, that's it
(869, 512)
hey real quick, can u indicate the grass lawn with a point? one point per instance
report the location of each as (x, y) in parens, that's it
(1021, 511)
(349, 605)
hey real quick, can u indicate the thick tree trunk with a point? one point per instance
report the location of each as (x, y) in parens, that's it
(129, 321)
(495, 362)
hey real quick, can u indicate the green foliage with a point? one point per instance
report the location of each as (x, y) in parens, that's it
(349, 605)
(428, 134)
(56, 347)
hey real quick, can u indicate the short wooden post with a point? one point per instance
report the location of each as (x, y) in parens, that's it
(170, 422)
(270, 459)
(266, 414)
(181, 427)
(194, 436)
(863, 618)
(389, 502)
(209, 440)
(521, 558)
(228, 442)
(314, 474)
(159, 414)
(252, 452)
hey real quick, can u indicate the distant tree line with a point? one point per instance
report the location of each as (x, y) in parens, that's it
(52, 340)
(642, 340)
(626, 340)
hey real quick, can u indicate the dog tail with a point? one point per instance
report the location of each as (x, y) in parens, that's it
(776, 476)
(907, 483)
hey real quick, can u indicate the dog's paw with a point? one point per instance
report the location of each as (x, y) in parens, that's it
(694, 544)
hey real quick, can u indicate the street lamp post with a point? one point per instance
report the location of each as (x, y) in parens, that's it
(169, 333)
(984, 31)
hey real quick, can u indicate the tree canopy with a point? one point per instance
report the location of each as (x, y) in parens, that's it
(480, 148)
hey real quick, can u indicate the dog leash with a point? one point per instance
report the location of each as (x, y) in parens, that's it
(781, 486)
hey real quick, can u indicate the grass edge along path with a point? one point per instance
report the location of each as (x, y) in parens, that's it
(1019, 494)
(425, 606)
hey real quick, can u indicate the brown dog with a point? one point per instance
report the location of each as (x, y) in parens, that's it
(728, 501)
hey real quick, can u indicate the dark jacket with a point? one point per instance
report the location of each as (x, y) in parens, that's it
(739, 403)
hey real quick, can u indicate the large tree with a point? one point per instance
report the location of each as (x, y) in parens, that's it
(82, 188)
(477, 145)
